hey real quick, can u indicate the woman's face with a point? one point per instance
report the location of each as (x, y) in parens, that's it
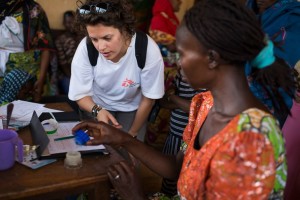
(193, 60)
(68, 23)
(108, 41)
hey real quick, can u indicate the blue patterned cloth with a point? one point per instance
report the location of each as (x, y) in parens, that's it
(12, 84)
(281, 22)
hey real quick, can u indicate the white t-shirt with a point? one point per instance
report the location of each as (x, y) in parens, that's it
(117, 86)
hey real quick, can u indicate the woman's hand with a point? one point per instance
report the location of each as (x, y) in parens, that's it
(102, 133)
(125, 181)
(107, 117)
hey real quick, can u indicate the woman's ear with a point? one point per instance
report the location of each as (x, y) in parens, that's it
(213, 58)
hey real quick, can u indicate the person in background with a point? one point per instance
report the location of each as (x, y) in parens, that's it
(66, 45)
(17, 85)
(280, 20)
(177, 99)
(162, 29)
(116, 90)
(142, 11)
(233, 147)
(164, 22)
(25, 41)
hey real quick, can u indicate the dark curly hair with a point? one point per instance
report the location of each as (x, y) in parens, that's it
(119, 15)
(233, 31)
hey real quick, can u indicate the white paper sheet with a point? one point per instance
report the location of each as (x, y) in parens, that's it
(62, 146)
(22, 112)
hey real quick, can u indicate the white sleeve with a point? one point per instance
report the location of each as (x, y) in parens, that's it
(82, 75)
(152, 75)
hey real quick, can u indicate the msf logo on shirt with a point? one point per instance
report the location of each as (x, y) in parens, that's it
(128, 83)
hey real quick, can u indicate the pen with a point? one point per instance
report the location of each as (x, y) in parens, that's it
(64, 138)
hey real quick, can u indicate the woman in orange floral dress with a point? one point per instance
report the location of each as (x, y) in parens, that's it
(233, 147)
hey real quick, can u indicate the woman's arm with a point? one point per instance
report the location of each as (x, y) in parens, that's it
(39, 84)
(141, 115)
(102, 133)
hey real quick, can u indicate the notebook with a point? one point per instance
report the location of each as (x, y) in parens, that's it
(49, 148)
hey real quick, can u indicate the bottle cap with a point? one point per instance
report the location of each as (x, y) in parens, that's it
(73, 160)
(81, 137)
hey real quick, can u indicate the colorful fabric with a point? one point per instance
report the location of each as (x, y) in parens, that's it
(12, 84)
(163, 23)
(158, 130)
(37, 37)
(66, 45)
(178, 122)
(245, 160)
(7, 7)
(28, 61)
(36, 27)
(281, 22)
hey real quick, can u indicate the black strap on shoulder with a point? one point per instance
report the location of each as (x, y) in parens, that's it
(92, 52)
(141, 44)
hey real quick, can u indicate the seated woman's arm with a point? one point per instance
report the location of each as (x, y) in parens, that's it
(164, 165)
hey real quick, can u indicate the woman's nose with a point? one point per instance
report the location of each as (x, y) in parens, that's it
(100, 46)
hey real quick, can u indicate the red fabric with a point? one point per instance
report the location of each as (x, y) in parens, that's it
(159, 21)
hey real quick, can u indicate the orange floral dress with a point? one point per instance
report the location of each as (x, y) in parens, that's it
(245, 160)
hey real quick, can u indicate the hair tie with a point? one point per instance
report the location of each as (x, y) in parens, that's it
(265, 57)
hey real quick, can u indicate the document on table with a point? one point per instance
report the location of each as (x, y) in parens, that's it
(22, 113)
(62, 146)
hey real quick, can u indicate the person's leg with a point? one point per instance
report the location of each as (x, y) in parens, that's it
(171, 147)
(126, 120)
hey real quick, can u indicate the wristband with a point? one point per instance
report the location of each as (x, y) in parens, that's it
(95, 110)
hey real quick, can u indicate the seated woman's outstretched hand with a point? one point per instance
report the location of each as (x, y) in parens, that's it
(126, 181)
(101, 133)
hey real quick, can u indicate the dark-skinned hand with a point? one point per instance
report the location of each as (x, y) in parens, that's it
(102, 133)
(126, 182)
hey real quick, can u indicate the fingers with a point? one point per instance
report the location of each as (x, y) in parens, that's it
(113, 120)
(120, 172)
(86, 125)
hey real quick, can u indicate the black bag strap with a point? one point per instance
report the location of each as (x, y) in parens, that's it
(141, 44)
(92, 52)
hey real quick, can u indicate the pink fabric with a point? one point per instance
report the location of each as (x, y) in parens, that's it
(291, 132)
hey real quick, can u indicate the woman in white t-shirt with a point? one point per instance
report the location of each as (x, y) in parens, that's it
(116, 90)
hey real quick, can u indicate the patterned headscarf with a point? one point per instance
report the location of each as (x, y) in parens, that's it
(12, 84)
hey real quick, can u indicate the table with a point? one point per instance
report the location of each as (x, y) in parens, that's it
(54, 181)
